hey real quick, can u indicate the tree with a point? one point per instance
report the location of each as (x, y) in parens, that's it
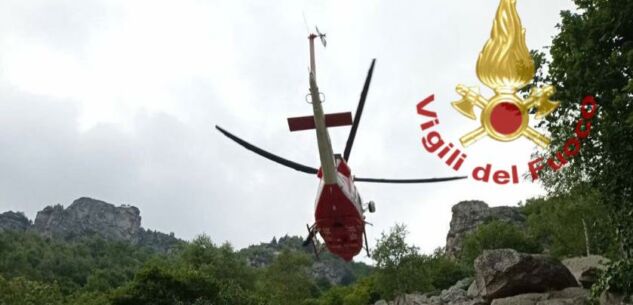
(496, 235)
(392, 248)
(398, 264)
(159, 285)
(20, 291)
(593, 55)
(287, 280)
(200, 273)
(558, 223)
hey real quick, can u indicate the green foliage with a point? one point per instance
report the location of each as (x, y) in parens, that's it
(392, 248)
(593, 55)
(220, 262)
(361, 292)
(157, 285)
(90, 262)
(401, 269)
(20, 291)
(287, 280)
(557, 224)
(92, 271)
(334, 296)
(264, 254)
(616, 278)
(445, 272)
(89, 298)
(201, 273)
(411, 274)
(496, 235)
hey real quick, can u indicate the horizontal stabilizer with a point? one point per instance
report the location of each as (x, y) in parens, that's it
(331, 120)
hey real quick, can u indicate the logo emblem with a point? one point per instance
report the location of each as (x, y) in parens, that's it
(505, 66)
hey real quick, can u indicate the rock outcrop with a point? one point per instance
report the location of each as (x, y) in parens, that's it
(86, 216)
(90, 217)
(506, 277)
(334, 271)
(567, 296)
(455, 295)
(14, 221)
(328, 267)
(586, 269)
(467, 215)
(506, 272)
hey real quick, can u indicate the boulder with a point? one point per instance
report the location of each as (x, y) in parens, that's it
(14, 221)
(476, 301)
(472, 291)
(586, 269)
(561, 302)
(505, 272)
(411, 299)
(468, 215)
(567, 296)
(576, 293)
(456, 293)
(609, 298)
(521, 299)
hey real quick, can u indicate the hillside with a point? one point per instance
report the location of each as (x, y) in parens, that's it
(87, 217)
(93, 247)
(93, 252)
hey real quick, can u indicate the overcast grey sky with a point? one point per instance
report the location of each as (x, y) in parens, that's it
(116, 100)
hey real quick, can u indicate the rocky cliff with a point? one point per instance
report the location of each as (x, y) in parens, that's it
(90, 217)
(14, 221)
(467, 215)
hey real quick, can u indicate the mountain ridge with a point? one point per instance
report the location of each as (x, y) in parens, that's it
(86, 216)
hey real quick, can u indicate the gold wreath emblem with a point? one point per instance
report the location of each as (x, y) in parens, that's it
(505, 65)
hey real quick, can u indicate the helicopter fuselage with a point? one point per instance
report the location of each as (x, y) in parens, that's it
(339, 215)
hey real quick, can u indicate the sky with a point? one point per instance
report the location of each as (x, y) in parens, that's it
(116, 100)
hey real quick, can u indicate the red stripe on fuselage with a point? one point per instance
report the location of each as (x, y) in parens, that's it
(339, 219)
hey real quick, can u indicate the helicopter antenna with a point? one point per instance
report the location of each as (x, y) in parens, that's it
(311, 37)
(305, 22)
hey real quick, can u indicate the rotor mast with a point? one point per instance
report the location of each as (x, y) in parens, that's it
(326, 153)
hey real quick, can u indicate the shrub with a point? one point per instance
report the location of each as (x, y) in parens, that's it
(496, 235)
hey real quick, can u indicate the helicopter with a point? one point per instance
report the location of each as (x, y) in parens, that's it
(339, 209)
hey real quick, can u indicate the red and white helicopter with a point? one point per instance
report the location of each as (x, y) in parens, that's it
(339, 210)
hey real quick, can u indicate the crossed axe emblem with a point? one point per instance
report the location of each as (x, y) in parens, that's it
(505, 116)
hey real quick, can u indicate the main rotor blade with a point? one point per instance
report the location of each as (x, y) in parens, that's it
(427, 180)
(359, 112)
(267, 155)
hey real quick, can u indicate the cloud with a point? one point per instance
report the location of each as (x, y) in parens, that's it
(116, 100)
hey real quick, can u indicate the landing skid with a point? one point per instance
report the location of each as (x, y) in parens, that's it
(366, 242)
(312, 239)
